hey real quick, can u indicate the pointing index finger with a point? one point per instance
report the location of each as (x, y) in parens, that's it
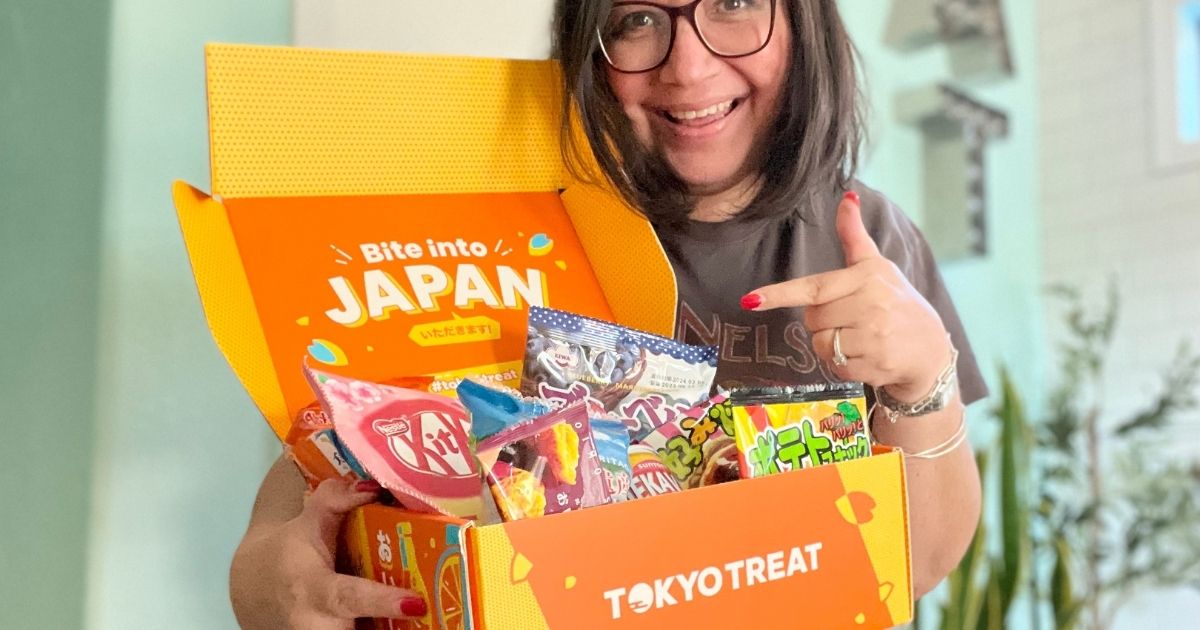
(821, 288)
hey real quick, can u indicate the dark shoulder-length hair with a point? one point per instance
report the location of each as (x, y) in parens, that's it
(812, 149)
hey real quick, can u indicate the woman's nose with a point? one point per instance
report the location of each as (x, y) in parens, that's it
(689, 60)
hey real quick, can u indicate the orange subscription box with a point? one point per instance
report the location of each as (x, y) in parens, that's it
(386, 215)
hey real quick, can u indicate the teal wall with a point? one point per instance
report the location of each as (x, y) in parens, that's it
(179, 447)
(53, 79)
(999, 295)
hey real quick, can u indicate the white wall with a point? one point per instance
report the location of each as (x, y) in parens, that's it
(1109, 212)
(179, 447)
(517, 29)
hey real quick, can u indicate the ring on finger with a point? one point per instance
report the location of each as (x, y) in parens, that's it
(839, 358)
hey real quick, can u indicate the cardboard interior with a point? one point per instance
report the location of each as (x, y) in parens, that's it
(318, 154)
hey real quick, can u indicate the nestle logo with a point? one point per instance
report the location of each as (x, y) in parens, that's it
(391, 427)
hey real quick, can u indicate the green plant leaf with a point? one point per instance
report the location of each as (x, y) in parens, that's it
(1062, 592)
(1014, 472)
(970, 596)
(993, 614)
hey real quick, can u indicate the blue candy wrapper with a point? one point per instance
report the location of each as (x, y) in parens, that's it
(493, 410)
(612, 445)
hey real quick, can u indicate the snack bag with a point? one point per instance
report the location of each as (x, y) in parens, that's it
(698, 446)
(646, 379)
(612, 446)
(313, 446)
(494, 409)
(415, 444)
(651, 477)
(782, 429)
(544, 466)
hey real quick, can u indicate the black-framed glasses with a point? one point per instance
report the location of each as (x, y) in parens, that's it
(639, 36)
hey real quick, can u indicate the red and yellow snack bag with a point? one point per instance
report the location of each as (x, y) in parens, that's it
(792, 428)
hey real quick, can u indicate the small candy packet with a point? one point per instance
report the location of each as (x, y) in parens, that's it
(545, 466)
(313, 446)
(612, 446)
(415, 444)
(651, 477)
(782, 429)
(645, 379)
(494, 409)
(698, 446)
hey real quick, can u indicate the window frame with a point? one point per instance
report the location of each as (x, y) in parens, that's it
(1170, 150)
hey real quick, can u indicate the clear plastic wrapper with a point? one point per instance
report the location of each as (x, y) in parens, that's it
(545, 466)
(645, 379)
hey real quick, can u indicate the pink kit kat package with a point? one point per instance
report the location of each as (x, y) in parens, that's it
(413, 443)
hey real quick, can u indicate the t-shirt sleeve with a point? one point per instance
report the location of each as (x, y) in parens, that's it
(902, 242)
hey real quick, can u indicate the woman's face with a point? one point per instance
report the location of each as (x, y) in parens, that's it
(716, 152)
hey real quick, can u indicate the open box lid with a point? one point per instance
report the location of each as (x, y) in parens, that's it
(288, 126)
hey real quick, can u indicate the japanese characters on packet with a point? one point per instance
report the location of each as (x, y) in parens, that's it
(605, 414)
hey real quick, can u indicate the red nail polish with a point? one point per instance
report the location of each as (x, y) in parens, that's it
(751, 301)
(853, 196)
(368, 486)
(413, 607)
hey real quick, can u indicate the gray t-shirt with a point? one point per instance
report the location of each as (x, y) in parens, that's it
(717, 263)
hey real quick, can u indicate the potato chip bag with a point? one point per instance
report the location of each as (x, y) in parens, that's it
(782, 429)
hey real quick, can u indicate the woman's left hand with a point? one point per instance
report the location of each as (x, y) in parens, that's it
(890, 335)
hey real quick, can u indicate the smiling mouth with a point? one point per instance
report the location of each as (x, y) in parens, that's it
(702, 117)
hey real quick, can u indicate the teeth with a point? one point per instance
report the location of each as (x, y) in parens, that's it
(712, 110)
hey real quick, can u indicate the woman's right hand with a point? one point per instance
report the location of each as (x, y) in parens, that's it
(283, 573)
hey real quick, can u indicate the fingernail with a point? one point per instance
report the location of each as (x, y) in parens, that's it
(853, 197)
(413, 607)
(369, 485)
(751, 301)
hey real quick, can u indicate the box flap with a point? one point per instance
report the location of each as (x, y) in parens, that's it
(228, 303)
(628, 258)
(294, 122)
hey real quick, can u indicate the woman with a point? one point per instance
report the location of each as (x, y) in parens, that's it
(733, 125)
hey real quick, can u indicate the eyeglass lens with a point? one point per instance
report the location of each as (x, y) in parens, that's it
(637, 37)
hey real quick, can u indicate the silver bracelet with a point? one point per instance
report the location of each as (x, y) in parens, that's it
(936, 400)
(947, 446)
